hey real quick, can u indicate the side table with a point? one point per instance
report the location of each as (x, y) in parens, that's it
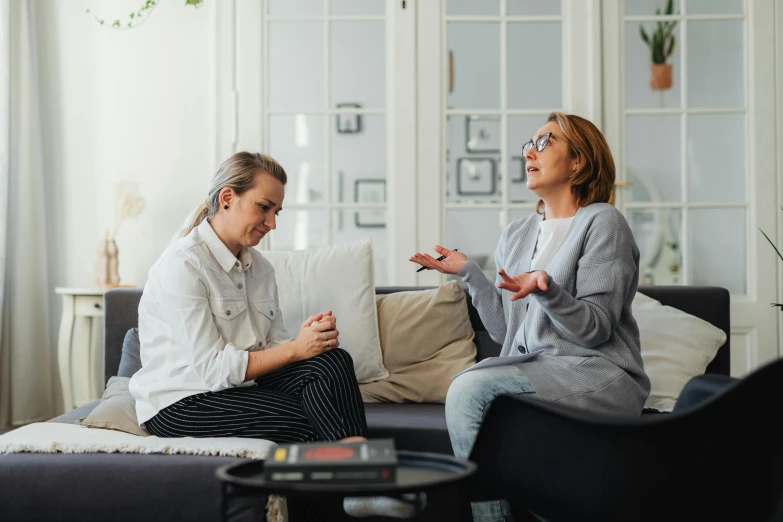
(76, 351)
(437, 480)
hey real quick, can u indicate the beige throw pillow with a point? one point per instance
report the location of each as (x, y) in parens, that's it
(117, 410)
(426, 338)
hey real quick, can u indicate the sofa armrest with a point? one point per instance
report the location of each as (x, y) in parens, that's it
(702, 388)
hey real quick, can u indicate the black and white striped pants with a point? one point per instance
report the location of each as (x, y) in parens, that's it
(313, 400)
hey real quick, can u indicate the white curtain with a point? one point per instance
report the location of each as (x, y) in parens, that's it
(29, 389)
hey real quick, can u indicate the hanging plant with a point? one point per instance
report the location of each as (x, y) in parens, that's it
(661, 44)
(137, 17)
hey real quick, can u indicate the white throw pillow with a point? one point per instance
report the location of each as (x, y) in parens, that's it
(676, 347)
(340, 278)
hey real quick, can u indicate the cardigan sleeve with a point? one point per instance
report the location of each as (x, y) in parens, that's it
(485, 294)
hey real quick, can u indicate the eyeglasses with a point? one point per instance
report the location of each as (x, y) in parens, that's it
(541, 143)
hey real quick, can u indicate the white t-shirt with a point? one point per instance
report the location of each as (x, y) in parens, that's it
(551, 233)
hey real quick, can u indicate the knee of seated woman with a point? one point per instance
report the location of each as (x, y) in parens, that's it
(479, 387)
(465, 391)
(334, 357)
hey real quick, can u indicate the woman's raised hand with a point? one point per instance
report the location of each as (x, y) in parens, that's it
(524, 284)
(317, 335)
(449, 262)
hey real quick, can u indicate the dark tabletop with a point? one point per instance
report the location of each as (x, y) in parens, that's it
(416, 471)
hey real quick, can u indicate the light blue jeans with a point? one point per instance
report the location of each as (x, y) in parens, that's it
(467, 402)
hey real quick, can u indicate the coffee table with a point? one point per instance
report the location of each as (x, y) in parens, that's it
(438, 481)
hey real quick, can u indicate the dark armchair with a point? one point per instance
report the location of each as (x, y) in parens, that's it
(718, 457)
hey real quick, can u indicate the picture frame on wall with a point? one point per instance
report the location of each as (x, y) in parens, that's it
(349, 123)
(476, 176)
(482, 134)
(521, 176)
(369, 190)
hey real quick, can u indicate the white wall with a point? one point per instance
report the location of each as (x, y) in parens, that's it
(123, 106)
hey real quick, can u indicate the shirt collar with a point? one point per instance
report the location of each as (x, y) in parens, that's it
(224, 257)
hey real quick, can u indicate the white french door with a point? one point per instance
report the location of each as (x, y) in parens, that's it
(326, 88)
(404, 121)
(488, 75)
(697, 158)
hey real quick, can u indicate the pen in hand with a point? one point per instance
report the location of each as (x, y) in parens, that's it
(441, 258)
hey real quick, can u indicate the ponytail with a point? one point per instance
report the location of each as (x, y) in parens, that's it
(202, 213)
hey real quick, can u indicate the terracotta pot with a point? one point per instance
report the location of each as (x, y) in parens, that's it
(661, 76)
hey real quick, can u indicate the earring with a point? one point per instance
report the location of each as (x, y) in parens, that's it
(226, 207)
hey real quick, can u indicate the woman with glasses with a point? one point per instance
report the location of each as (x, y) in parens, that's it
(567, 276)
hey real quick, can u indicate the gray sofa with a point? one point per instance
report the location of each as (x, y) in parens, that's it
(117, 487)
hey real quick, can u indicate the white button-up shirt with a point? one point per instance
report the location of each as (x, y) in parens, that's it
(201, 312)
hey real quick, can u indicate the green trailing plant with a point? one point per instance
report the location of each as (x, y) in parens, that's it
(663, 40)
(779, 305)
(138, 16)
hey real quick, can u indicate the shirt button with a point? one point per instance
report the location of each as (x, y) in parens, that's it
(260, 343)
(273, 312)
(236, 264)
(239, 285)
(228, 312)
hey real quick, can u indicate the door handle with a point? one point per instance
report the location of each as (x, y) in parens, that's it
(451, 71)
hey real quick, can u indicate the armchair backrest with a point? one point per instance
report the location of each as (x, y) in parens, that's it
(720, 460)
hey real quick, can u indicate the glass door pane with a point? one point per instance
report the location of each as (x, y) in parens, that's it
(535, 65)
(296, 65)
(504, 75)
(684, 150)
(474, 65)
(326, 121)
(297, 142)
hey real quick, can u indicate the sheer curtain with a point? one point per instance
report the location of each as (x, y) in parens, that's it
(28, 385)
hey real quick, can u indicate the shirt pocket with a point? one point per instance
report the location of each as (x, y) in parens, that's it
(265, 314)
(227, 308)
(227, 312)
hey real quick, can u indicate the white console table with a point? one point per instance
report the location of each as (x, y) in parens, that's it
(79, 356)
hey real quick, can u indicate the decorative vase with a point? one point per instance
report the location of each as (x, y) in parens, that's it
(106, 267)
(661, 76)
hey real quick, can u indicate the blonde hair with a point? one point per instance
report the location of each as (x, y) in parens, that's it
(593, 181)
(238, 173)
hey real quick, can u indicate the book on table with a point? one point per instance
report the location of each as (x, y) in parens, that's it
(370, 461)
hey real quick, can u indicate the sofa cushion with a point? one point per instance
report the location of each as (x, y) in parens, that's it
(426, 339)
(116, 411)
(117, 487)
(339, 278)
(130, 362)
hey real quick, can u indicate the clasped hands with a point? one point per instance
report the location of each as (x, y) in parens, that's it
(317, 335)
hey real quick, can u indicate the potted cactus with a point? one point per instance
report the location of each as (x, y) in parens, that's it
(661, 43)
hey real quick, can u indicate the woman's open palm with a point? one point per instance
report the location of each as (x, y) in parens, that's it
(524, 284)
(452, 262)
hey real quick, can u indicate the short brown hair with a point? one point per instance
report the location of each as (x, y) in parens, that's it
(239, 172)
(593, 180)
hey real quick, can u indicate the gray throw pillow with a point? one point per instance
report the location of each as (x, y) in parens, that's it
(130, 362)
(117, 410)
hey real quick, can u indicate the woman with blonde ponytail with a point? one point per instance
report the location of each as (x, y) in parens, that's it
(216, 359)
